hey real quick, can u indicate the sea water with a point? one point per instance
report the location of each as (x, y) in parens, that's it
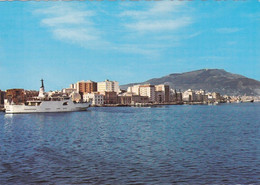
(179, 144)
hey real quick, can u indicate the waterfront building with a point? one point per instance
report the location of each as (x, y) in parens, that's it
(15, 95)
(162, 93)
(140, 99)
(216, 96)
(175, 96)
(125, 99)
(131, 99)
(85, 87)
(188, 96)
(159, 97)
(108, 86)
(134, 89)
(179, 97)
(205, 98)
(110, 97)
(95, 98)
(148, 90)
(210, 97)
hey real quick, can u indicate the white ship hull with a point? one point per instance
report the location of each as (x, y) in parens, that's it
(47, 106)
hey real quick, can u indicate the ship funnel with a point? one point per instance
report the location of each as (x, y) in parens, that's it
(41, 92)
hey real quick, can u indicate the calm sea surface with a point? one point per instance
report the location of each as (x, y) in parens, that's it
(124, 145)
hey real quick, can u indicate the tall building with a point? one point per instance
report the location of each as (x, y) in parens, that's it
(134, 89)
(85, 87)
(147, 90)
(189, 95)
(216, 96)
(108, 86)
(175, 96)
(163, 93)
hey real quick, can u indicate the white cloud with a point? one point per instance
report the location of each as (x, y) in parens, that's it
(61, 15)
(194, 34)
(160, 16)
(72, 23)
(77, 35)
(135, 31)
(160, 25)
(157, 9)
(228, 30)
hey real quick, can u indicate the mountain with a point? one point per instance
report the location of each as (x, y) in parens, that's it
(211, 80)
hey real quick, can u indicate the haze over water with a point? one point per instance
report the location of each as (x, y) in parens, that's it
(125, 145)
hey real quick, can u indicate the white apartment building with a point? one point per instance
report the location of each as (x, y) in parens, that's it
(134, 89)
(147, 90)
(188, 95)
(108, 86)
(95, 98)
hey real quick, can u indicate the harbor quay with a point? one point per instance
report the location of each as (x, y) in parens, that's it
(108, 94)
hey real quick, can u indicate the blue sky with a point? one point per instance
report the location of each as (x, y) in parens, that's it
(65, 42)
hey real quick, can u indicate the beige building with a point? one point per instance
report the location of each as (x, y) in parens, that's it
(95, 98)
(108, 86)
(188, 96)
(216, 96)
(162, 93)
(148, 90)
(134, 89)
(131, 99)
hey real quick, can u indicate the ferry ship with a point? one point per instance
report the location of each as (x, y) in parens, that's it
(43, 103)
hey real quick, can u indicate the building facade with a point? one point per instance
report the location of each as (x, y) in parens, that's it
(15, 95)
(94, 97)
(148, 90)
(131, 99)
(188, 96)
(85, 87)
(162, 93)
(110, 97)
(134, 89)
(108, 86)
(29, 94)
(216, 96)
